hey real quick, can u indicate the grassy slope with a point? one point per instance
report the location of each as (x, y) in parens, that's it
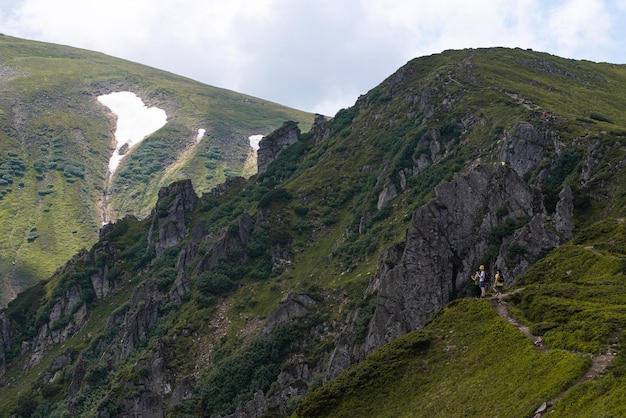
(470, 362)
(467, 362)
(592, 120)
(51, 121)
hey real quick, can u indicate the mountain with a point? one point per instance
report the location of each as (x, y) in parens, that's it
(337, 280)
(57, 183)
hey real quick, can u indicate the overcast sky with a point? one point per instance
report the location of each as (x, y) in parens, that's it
(320, 55)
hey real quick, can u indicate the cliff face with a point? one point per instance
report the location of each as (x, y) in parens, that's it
(445, 243)
(448, 238)
(271, 145)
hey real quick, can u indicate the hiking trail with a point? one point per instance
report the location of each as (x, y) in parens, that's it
(599, 362)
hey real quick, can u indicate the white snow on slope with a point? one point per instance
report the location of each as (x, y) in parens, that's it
(201, 133)
(135, 121)
(254, 141)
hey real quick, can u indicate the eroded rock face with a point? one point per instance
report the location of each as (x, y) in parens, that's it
(6, 340)
(526, 146)
(447, 240)
(168, 226)
(67, 316)
(294, 306)
(444, 244)
(271, 145)
(563, 220)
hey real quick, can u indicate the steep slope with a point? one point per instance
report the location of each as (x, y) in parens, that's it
(346, 263)
(57, 140)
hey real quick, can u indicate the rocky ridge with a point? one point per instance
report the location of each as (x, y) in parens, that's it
(446, 240)
(493, 214)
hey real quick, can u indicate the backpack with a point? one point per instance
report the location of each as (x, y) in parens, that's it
(501, 281)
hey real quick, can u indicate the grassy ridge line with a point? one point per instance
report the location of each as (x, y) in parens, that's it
(467, 362)
(470, 362)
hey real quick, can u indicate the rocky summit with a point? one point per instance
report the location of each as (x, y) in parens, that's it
(337, 281)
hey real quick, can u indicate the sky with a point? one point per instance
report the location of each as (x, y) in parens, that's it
(317, 56)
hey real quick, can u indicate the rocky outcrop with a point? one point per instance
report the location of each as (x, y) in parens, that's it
(520, 250)
(388, 193)
(526, 146)
(292, 383)
(168, 224)
(320, 128)
(67, 316)
(293, 307)
(272, 145)
(428, 150)
(446, 241)
(563, 221)
(231, 241)
(296, 374)
(69, 310)
(6, 340)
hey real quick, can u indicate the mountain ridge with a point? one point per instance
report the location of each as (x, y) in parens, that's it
(57, 140)
(335, 282)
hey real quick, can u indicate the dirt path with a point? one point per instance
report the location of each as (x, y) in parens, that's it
(599, 362)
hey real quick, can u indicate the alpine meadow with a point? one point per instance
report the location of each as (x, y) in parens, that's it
(57, 138)
(329, 273)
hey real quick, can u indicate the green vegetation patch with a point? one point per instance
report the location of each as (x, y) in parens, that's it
(467, 362)
(575, 297)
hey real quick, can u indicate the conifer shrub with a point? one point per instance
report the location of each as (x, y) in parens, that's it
(211, 283)
(240, 375)
(275, 196)
(166, 278)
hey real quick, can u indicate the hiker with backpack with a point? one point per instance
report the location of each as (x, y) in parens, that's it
(482, 281)
(498, 285)
(476, 284)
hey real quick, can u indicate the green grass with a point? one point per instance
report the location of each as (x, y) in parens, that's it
(62, 136)
(467, 362)
(574, 297)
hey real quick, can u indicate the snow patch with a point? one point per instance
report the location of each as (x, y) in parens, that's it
(135, 121)
(201, 133)
(254, 141)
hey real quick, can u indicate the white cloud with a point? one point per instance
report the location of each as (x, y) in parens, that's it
(579, 25)
(314, 55)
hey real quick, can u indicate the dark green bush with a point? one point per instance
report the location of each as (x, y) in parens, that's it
(568, 162)
(278, 195)
(167, 277)
(600, 118)
(241, 375)
(212, 283)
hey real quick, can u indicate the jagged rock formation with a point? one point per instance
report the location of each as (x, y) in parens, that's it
(168, 226)
(446, 241)
(526, 146)
(6, 340)
(295, 306)
(319, 128)
(271, 145)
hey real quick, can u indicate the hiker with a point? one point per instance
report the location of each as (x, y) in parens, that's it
(482, 281)
(476, 284)
(498, 285)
